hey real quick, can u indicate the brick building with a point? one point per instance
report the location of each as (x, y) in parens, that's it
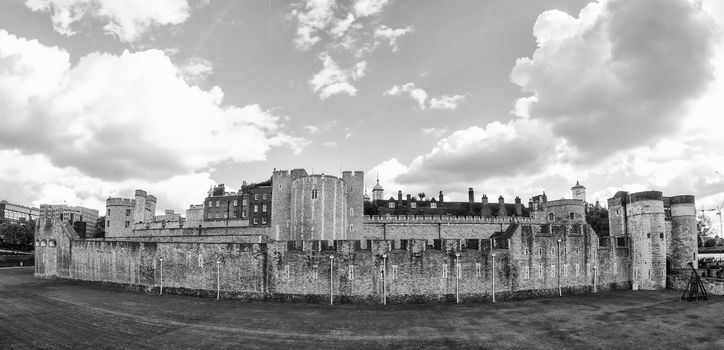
(11, 213)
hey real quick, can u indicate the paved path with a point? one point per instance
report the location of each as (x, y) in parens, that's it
(65, 314)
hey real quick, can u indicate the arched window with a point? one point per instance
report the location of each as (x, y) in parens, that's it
(551, 217)
(51, 243)
(43, 243)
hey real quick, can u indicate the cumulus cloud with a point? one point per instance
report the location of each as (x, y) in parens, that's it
(332, 79)
(521, 146)
(128, 20)
(447, 102)
(444, 102)
(617, 76)
(123, 116)
(391, 35)
(344, 31)
(35, 178)
(417, 94)
(196, 69)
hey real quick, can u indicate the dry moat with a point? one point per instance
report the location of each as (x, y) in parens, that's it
(59, 314)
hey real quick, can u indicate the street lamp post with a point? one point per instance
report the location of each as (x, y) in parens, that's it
(457, 278)
(161, 289)
(559, 268)
(331, 279)
(493, 274)
(218, 278)
(384, 277)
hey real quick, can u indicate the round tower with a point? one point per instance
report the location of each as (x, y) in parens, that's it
(377, 191)
(645, 226)
(139, 211)
(683, 233)
(319, 209)
(578, 191)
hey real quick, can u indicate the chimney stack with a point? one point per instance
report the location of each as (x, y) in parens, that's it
(518, 207)
(399, 196)
(471, 199)
(485, 209)
(501, 207)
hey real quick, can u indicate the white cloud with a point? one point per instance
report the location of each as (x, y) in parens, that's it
(195, 70)
(332, 79)
(364, 8)
(436, 132)
(123, 116)
(391, 35)
(447, 102)
(619, 75)
(127, 19)
(314, 16)
(388, 171)
(330, 144)
(444, 102)
(417, 94)
(33, 178)
(311, 129)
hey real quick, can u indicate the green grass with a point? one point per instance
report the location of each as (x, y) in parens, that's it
(66, 314)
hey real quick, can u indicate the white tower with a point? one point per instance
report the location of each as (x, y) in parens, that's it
(579, 192)
(377, 191)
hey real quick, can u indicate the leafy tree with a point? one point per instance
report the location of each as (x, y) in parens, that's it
(17, 235)
(101, 227)
(703, 229)
(597, 217)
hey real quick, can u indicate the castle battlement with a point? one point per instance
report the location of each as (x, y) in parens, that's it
(125, 202)
(448, 218)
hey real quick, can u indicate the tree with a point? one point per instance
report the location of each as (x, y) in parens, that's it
(17, 235)
(101, 227)
(703, 229)
(597, 217)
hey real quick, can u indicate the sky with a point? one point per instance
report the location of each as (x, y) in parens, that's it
(510, 97)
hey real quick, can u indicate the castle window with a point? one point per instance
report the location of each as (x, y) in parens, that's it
(526, 272)
(51, 243)
(108, 212)
(618, 212)
(648, 235)
(540, 271)
(217, 203)
(540, 250)
(577, 269)
(391, 204)
(243, 213)
(286, 270)
(264, 196)
(314, 194)
(128, 223)
(233, 214)
(314, 272)
(255, 221)
(551, 217)
(216, 215)
(413, 205)
(444, 271)
(553, 270)
(244, 202)
(43, 243)
(128, 212)
(661, 235)
(565, 270)
(621, 241)
(263, 208)
(350, 272)
(477, 269)
(571, 216)
(226, 215)
(433, 205)
(256, 196)
(263, 220)
(37, 242)
(351, 211)
(256, 208)
(236, 202)
(108, 223)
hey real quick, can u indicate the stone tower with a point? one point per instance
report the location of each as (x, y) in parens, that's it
(579, 191)
(683, 233)
(639, 218)
(378, 191)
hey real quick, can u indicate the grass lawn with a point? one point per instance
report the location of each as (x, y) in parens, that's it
(65, 314)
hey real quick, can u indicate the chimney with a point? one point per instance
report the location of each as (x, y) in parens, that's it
(501, 207)
(471, 199)
(399, 196)
(440, 196)
(485, 209)
(518, 207)
(530, 205)
(544, 198)
(409, 198)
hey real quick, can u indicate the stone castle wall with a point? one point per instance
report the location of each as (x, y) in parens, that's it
(529, 262)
